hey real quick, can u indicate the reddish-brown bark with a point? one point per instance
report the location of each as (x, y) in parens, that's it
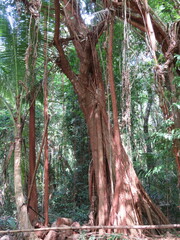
(116, 195)
(136, 15)
(116, 132)
(33, 201)
(30, 61)
(22, 212)
(141, 16)
(46, 161)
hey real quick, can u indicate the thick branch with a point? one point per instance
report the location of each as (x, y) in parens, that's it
(136, 15)
(62, 61)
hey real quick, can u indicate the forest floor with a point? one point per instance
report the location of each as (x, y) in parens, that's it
(159, 237)
(151, 238)
(167, 236)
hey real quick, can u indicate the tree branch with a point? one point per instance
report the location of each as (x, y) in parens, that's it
(136, 15)
(62, 61)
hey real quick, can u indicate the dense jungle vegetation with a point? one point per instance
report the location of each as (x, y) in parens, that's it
(89, 110)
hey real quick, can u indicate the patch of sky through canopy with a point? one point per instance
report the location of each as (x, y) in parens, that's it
(87, 13)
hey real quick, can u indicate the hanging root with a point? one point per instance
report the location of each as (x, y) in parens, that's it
(151, 212)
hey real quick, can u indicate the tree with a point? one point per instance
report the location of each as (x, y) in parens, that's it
(116, 194)
(46, 162)
(149, 159)
(143, 18)
(13, 99)
(30, 61)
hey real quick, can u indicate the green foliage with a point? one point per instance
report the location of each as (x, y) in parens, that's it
(71, 159)
(166, 10)
(63, 204)
(8, 223)
(113, 236)
(8, 207)
(160, 182)
(177, 59)
(73, 59)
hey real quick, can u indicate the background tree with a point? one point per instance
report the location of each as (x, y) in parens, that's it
(46, 116)
(16, 107)
(30, 61)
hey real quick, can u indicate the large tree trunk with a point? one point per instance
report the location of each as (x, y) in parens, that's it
(116, 194)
